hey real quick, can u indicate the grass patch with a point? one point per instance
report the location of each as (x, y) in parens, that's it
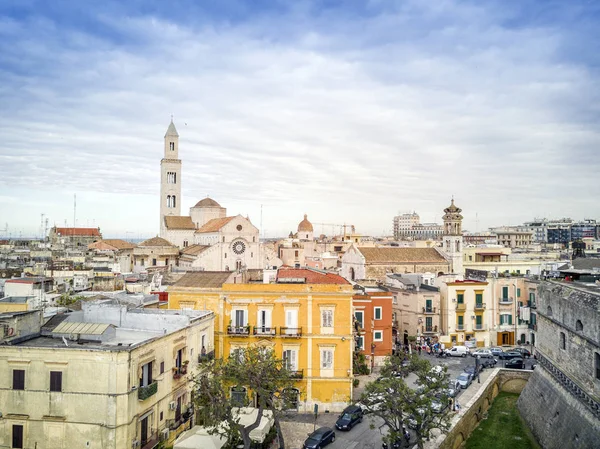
(503, 427)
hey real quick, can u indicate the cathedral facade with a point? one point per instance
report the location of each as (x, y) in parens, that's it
(208, 238)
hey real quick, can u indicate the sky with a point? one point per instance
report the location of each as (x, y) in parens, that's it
(348, 111)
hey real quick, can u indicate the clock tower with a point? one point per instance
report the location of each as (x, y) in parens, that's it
(170, 178)
(453, 240)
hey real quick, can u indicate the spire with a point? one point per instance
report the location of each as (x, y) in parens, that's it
(171, 130)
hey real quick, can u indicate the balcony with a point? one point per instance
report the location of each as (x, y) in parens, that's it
(479, 327)
(206, 357)
(298, 374)
(151, 441)
(479, 306)
(147, 391)
(429, 329)
(290, 332)
(242, 331)
(178, 373)
(506, 301)
(263, 331)
(532, 326)
(461, 306)
(460, 327)
(429, 310)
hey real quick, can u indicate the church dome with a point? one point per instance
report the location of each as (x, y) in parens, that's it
(452, 212)
(305, 225)
(207, 202)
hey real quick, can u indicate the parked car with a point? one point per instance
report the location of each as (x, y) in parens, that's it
(350, 417)
(473, 370)
(510, 355)
(488, 362)
(515, 363)
(482, 353)
(496, 351)
(464, 380)
(372, 403)
(319, 438)
(458, 351)
(523, 351)
(452, 389)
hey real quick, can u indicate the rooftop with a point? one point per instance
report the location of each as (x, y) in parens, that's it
(308, 276)
(17, 299)
(203, 279)
(78, 232)
(401, 255)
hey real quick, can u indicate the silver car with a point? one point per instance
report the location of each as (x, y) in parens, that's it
(464, 380)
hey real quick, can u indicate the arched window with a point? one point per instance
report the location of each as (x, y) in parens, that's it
(174, 202)
(579, 326)
(549, 311)
(457, 246)
(352, 274)
(523, 339)
(169, 201)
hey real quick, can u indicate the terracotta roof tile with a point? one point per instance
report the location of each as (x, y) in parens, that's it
(215, 224)
(194, 250)
(179, 222)
(311, 276)
(111, 245)
(203, 279)
(70, 232)
(156, 241)
(207, 202)
(401, 255)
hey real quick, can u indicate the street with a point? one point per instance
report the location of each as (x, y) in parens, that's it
(362, 435)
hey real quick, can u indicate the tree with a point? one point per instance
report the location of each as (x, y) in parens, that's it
(423, 409)
(255, 370)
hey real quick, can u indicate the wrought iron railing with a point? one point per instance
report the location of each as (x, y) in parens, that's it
(479, 306)
(238, 330)
(265, 331)
(290, 331)
(569, 384)
(429, 310)
(206, 357)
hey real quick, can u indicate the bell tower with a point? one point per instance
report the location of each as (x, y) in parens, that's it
(453, 240)
(170, 177)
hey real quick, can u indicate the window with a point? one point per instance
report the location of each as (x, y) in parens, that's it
(460, 298)
(505, 293)
(428, 305)
(506, 318)
(428, 323)
(146, 377)
(239, 396)
(378, 336)
(377, 312)
(478, 298)
(359, 319)
(326, 359)
(162, 367)
(172, 146)
(518, 292)
(532, 297)
(579, 326)
(290, 359)
(326, 318)
(171, 178)
(18, 379)
(478, 321)
(55, 380)
(292, 397)
(360, 344)
(563, 343)
(597, 357)
(185, 243)
(17, 436)
(461, 320)
(173, 199)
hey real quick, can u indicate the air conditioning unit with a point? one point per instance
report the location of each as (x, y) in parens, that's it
(172, 405)
(164, 435)
(136, 444)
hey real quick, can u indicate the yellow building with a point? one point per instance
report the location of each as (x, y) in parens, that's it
(103, 377)
(17, 303)
(304, 315)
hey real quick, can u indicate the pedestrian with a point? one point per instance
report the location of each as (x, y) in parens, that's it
(419, 349)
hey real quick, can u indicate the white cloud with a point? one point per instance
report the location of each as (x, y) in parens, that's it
(347, 118)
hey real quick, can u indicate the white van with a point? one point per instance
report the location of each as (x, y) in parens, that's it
(458, 351)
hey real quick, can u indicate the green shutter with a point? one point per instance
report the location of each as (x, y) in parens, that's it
(505, 292)
(518, 293)
(460, 298)
(428, 321)
(479, 298)
(478, 319)
(509, 319)
(460, 320)
(428, 304)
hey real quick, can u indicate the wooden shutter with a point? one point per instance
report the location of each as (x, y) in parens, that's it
(18, 379)
(55, 381)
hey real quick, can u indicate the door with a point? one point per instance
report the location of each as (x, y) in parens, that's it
(264, 321)
(239, 319)
(144, 432)
(17, 436)
(291, 321)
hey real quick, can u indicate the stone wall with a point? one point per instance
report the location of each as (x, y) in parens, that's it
(468, 419)
(556, 418)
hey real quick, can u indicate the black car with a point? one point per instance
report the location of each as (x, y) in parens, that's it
(473, 369)
(351, 416)
(524, 352)
(319, 438)
(515, 363)
(510, 355)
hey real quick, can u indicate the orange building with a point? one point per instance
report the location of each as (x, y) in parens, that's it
(373, 321)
